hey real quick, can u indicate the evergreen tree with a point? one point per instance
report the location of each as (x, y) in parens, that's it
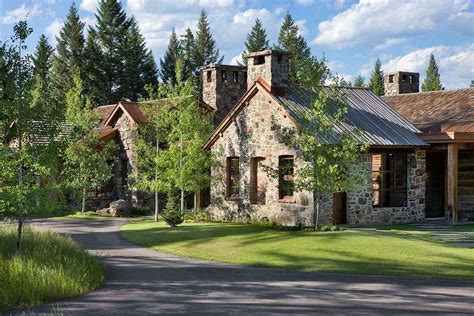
(359, 81)
(257, 38)
(290, 41)
(432, 80)
(376, 83)
(187, 49)
(95, 80)
(205, 51)
(42, 58)
(168, 63)
(69, 53)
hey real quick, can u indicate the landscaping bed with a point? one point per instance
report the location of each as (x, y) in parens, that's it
(48, 267)
(354, 251)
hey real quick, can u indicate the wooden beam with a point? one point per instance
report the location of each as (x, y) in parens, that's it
(452, 190)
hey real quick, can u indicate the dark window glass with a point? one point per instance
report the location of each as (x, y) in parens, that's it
(223, 76)
(389, 180)
(257, 194)
(286, 173)
(233, 177)
(259, 60)
(209, 76)
(235, 76)
(390, 78)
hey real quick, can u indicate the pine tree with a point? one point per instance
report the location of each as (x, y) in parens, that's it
(257, 38)
(69, 54)
(432, 80)
(205, 51)
(359, 81)
(95, 80)
(187, 49)
(290, 41)
(168, 63)
(376, 83)
(42, 58)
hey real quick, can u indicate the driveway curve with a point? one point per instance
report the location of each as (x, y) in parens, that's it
(143, 281)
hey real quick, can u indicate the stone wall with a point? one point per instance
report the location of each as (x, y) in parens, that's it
(222, 94)
(251, 135)
(401, 82)
(359, 203)
(274, 69)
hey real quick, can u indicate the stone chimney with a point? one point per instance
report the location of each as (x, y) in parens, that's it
(222, 87)
(402, 82)
(271, 65)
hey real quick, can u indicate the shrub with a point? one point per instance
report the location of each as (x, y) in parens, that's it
(200, 216)
(173, 216)
(47, 267)
(141, 211)
(328, 228)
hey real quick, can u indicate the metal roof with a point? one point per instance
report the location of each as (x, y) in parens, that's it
(379, 124)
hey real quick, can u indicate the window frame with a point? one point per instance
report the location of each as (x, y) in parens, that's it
(232, 192)
(286, 185)
(391, 173)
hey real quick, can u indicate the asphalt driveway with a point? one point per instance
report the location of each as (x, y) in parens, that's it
(142, 281)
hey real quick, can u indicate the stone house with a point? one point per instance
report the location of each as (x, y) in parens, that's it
(446, 122)
(244, 143)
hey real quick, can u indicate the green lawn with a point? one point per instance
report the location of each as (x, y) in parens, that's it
(47, 267)
(356, 251)
(86, 215)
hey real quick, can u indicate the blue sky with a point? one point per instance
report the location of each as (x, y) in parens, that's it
(350, 34)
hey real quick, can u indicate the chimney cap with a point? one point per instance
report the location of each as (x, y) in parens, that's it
(265, 53)
(402, 72)
(214, 65)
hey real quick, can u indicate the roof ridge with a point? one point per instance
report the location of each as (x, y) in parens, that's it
(430, 92)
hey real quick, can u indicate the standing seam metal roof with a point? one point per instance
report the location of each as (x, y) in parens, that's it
(379, 124)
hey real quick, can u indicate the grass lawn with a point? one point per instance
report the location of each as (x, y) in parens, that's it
(356, 251)
(85, 215)
(47, 267)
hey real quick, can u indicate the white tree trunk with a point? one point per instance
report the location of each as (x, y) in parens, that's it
(316, 201)
(182, 200)
(83, 208)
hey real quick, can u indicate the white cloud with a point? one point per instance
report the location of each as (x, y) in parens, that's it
(456, 64)
(369, 21)
(302, 29)
(21, 13)
(237, 60)
(305, 2)
(389, 42)
(53, 29)
(339, 4)
(249, 16)
(89, 5)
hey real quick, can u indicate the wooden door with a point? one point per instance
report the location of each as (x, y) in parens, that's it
(435, 184)
(339, 208)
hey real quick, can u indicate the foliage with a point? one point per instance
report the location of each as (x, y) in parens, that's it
(330, 156)
(173, 215)
(47, 268)
(186, 54)
(257, 38)
(329, 228)
(205, 51)
(200, 216)
(354, 251)
(140, 211)
(168, 63)
(86, 156)
(376, 82)
(432, 80)
(359, 81)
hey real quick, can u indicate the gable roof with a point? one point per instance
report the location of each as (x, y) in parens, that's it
(131, 109)
(103, 112)
(379, 123)
(437, 111)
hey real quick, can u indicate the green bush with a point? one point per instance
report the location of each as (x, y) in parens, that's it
(141, 211)
(328, 228)
(47, 267)
(172, 215)
(200, 216)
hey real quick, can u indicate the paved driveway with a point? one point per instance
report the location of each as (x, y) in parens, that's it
(141, 281)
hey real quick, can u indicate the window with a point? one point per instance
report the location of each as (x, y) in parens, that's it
(223, 76)
(285, 179)
(412, 78)
(257, 193)
(235, 76)
(259, 60)
(233, 177)
(389, 180)
(279, 59)
(390, 78)
(209, 76)
(404, 78)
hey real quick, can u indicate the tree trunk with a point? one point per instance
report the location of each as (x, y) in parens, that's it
(182, 200)
(157, 206)
(83, 208)
(20, 229)
(316, 209)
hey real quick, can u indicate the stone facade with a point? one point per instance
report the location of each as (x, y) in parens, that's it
(272, 66)
(401, 82)
(222, 87)
(359, 203)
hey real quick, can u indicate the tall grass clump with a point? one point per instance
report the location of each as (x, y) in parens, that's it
(47, 267)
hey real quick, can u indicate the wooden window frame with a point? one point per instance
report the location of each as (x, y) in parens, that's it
(391, 173)
(254, 197)
(286, 187)
(232, 192)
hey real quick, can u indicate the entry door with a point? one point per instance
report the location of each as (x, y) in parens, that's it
(339, 208)
(435, 184)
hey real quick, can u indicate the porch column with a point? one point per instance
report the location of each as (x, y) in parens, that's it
(452, 187)
(198, 200)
